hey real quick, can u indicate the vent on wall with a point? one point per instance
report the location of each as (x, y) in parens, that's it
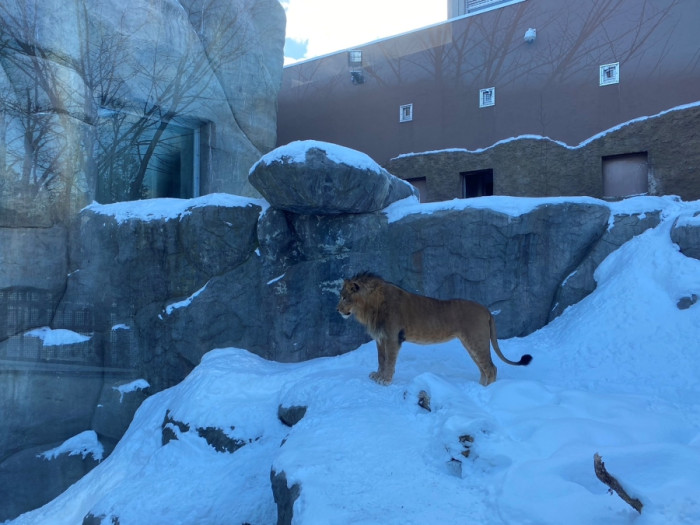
(472, 6)
(406, 113)
(487, 97)
(610, 74)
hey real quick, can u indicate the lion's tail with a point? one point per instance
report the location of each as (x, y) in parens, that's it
(524, 360)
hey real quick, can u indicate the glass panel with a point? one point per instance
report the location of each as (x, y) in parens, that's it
(140, 159)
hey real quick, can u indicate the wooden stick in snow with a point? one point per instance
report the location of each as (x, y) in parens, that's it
(614, 485)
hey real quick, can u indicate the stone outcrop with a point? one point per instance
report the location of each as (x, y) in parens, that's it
(285, 496)
(311, 177)
(580, 282)
(82, 86)
(686, 234)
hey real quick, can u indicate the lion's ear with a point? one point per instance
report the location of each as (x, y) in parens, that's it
(354, 286)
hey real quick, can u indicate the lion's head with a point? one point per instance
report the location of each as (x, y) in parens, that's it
(359, 296)
(349, 294)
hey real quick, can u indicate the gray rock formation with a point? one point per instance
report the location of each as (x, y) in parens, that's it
(580, 282)
(82, 81)
(285, 496)
(319, 178)
(686, 234)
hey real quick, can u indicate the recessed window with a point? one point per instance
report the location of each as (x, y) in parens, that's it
(477, 183)
(610, 74)
(355, 58)
(406, 113)
(487, 97)
(154, 160)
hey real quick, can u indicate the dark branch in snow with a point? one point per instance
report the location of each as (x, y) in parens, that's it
(603, 475)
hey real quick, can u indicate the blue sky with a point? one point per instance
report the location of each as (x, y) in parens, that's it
(318, 27)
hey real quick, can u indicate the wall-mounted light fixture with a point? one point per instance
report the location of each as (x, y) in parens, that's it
(357, 77)
(530, 35)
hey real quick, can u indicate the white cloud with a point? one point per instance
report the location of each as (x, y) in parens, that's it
(333, 25)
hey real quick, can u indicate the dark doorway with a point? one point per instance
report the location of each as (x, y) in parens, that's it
(625, 175)
(422, 186)
(477, 183)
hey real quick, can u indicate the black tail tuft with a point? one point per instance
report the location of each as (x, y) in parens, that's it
(525, 360)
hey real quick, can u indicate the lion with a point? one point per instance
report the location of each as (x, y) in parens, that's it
(392, 315)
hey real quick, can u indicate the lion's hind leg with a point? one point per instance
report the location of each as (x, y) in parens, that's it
(481, 354)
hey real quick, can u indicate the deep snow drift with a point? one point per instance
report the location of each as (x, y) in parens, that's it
(617, 374)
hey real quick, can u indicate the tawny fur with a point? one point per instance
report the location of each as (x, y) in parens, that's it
(392, 315)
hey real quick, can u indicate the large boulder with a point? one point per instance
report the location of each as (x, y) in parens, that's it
(134, 266)
(686, 234)
(312, 177)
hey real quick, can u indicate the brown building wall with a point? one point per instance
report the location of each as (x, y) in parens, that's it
(541, 167)
(547, 88)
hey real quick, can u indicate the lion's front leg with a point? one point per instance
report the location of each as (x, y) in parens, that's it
(387, 353)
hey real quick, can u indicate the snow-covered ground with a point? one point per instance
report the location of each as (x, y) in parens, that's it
(617, 374)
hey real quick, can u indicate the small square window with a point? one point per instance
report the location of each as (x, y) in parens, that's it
(355, 58)
(610, 74)
(406, 113)
(487, 97)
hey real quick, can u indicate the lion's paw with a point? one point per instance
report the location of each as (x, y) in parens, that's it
(379, 379)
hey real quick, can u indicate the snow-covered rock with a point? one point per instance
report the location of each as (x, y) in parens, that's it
(313, 177)
(686, 233)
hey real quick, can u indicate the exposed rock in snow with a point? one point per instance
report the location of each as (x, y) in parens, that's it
(686, 234)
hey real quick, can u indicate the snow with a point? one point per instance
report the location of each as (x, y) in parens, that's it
(85, 444)
(295, 153)
(559, 142)
(689, 219)
(520, 206)
(50, 337)
(185, 302)
(168, 208)
(133, 386)
(616, 374)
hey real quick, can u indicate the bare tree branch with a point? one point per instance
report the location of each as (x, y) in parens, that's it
(614, 485)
